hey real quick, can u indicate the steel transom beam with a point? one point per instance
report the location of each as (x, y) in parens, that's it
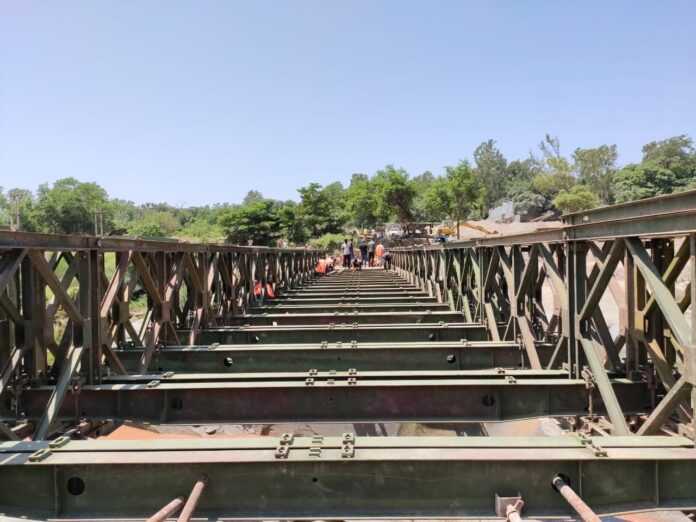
(339, 398)
(327, 477)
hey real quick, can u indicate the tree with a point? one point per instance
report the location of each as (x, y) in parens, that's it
(550, 184)
(465, 191)
(69, 207)
(455, 194)
(552, 160)
(258, 222)
(394, 194)
(676, 154)
(22, 200)
(644, 180)
(147, 229)
(421, 185)
(253, 196)
(667, 166)
(361, 201)
(491, 171)
(519, 188)
(124, 213)
(435, 203)
(17, 203)
(322, 210)
(556, 172)
(291, 226)
(527, 202)
(157, 223)
(521, 171)
(577, 198)
(596, 168)
(4, 209)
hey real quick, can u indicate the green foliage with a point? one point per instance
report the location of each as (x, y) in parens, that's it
(394, 194)
(201, 229)
(291, 226)
(579, 197)
(253, 196)
(328, 242)
(165, 221)
(552, 160)
(596, 168)
(456, 195)
(258, 222)
(549, 184)
(4, 209)
(322, 210)
(465, 193)
(676, 154)
(435, 202)
(124, 212)
(668, 165)
(491, 172)
(527, 201)
(644, 180)
(361, 201)
(519, 185)
(147, 229)
(68, 207)
(519, 175)
(23, 200)
(534, 184)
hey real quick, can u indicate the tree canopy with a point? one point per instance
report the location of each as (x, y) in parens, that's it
(547, 181)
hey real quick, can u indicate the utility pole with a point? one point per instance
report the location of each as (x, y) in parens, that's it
(99, 222)
(14, 212)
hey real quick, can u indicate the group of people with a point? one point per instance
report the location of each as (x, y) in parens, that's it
(367, 254)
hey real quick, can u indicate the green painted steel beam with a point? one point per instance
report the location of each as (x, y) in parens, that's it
(327, 375)
(339, 399)
(425, 316)
(343, 332)
(315, 294)
(356, 305)
(317, 478)
(365, 300)
(366, 356)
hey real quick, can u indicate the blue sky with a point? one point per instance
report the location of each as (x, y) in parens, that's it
(199, 102)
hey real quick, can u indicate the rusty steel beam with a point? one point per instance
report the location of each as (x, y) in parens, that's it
(345, 397)
(347, 477)
(336, 356)
(340, 316)
(345, 332)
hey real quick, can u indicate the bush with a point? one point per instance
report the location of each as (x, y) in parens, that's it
(147, 229)
(328, 242)
(578, 198)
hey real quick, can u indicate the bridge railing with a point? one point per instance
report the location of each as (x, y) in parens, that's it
(87, 286)
(612, 289)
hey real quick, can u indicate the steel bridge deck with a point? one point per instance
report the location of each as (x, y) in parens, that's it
(497, 329)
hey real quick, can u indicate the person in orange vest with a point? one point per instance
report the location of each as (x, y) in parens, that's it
(321, 266)
(379, 252)
(258, 291)
(270, 293)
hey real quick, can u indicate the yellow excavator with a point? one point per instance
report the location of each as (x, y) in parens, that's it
(447, 228)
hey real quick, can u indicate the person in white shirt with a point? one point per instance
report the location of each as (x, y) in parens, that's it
(345, 252)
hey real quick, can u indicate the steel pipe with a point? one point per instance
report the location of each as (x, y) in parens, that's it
(193, 499)
(561, 485)
(167, 511)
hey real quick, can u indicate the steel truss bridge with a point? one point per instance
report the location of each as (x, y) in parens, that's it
(587, 324)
